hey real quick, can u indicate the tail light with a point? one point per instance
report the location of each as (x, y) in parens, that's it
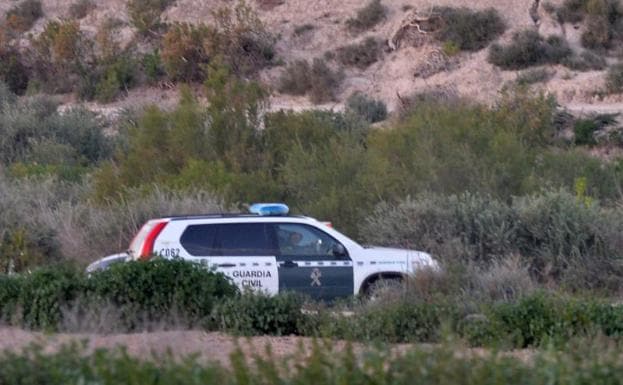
(142, 247)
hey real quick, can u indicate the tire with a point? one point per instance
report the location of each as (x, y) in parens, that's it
(383, 289)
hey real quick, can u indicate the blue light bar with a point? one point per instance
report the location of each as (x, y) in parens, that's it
(266, 209)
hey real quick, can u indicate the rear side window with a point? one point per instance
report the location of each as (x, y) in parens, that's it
(245, 239)
(199, 240)
(231, 239)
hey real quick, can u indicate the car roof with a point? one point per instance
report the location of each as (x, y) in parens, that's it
(229, 215)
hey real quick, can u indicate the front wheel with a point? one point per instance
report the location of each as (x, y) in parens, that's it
(384, 289)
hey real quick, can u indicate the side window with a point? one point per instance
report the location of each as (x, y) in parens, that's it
(198, 240)
(245, 239)
(298, 240)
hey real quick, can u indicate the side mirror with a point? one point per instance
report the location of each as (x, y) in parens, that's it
(339, 250)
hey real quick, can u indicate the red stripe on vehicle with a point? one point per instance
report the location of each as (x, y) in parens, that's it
(148, 246)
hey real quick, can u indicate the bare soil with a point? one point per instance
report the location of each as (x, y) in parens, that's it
(208, 346)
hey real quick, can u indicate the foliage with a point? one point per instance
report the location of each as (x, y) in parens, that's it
(586, 61)
(528, 48)
(371, 110)
(603, 20)
(243, 41)
(469, 30)
(535, 75)
(61, 56)
(560, 238)
(296, 78)
(23, 16)
(184, 54)
(614, 78)
(258, 314)
(319, 80)
(367, 17)
(81, 8)
(145, 14)
(13, 70)
(360, 55)
(324, 82)
(140, 290)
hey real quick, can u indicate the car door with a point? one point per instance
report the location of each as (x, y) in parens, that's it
(245, 252)
(307, 262)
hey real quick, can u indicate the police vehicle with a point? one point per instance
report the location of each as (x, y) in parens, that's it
(270, 251)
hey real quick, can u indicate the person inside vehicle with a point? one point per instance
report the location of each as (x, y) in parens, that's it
(293, 243)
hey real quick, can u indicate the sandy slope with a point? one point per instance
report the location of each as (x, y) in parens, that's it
(392, 76)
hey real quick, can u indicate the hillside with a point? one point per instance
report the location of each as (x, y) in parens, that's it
(307, 30)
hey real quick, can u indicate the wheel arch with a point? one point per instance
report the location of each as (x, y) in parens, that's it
(369, 280)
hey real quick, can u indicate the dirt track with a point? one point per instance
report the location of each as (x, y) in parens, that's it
(209, 346)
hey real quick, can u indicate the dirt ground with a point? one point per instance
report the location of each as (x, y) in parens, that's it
(209, 346)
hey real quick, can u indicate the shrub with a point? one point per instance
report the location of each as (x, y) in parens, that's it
(296, 78)
(13, 71)
(22, 16)
(184, 53)
(152, 66)
(118, 75)
(614, 79)
(360, 55)
(586, 61)
(367, 17)
(531, 76)
(141, 291)
(370, 109)
(81, 8)
(527, 49)
(319, 80)
(557, 235)
(60, 55)
(244, 41)
(469, 30)
(303, 29)
(325, 82)
(584, 131)
(257, 314)
(145, 14)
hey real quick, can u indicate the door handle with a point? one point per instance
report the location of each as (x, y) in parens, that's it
(227, 265)
(289, 264)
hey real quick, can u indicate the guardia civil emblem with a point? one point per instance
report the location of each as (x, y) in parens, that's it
(315, 277)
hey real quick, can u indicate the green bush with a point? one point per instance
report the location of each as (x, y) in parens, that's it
(258, 314)
(152, 66)
(145, 14)
(360, 55)
(323, 363)
(367, 17)
(141, 291)
(584, 131)
(469, 30)
(296, 78)
(324, 82)
(559, 236)
(155, 289)
(369, 109)
(319, 80)
(23, 16)
(586, 61)
(13, 71)
(183, 51)
(527, 49)
(614, 79)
